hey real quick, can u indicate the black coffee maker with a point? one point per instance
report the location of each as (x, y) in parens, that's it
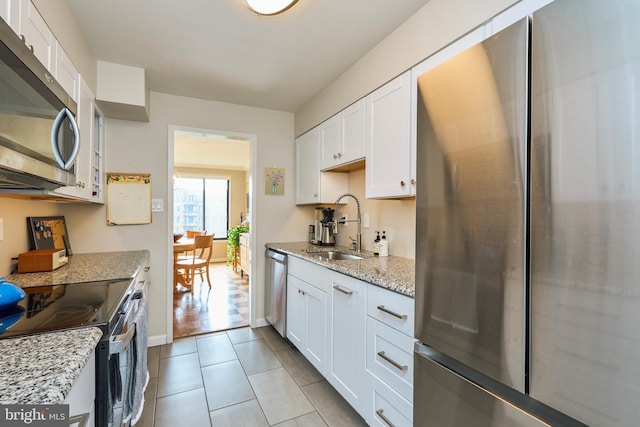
(327, 235)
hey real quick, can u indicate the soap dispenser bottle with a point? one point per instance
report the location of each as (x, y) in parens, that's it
(376, 244)
(383, 245)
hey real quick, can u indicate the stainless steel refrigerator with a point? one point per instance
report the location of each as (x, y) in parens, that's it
(528, 224)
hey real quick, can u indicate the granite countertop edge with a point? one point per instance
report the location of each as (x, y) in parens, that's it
(393, 273)
(87, 267)
(41, 369)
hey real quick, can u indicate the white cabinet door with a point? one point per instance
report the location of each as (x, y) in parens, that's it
(331, 143)
(36, 33)
(307, 320)
(342, 137)
(346, 352)
(316, 345)
(389, 163)
(65, 72)
(10, 12)
(313, 186)
(307, 168)
(353, 132)
(296, 322)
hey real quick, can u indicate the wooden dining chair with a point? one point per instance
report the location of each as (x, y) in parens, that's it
(199, 261)
(190, 235)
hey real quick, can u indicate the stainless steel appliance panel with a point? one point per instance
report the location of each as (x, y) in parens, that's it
(585, 210)
(470, 246)
(38, 134)
(450, 400)
(276, 290)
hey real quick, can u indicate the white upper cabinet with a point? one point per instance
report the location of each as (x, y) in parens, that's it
(10, 12)
(390, 149)
(342, 137)
(65, 72)
(37, 34)
(313, 186)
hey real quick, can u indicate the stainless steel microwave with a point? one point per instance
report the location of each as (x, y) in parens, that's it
(39, 137)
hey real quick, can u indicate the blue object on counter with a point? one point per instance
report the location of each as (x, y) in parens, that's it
(10, 317)
(10, 295)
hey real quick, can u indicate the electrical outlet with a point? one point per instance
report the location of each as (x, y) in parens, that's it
(365, 220)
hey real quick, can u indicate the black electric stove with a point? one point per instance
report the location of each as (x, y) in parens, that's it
(60, 307)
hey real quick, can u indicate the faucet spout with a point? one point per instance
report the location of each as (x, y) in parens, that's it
(359, 222)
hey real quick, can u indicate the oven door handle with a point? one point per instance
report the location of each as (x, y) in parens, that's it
(120, 342)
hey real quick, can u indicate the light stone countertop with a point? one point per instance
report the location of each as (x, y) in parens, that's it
(82, 268)
(41, 369)
(394, 273)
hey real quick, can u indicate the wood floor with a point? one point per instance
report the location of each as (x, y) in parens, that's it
(224, 306)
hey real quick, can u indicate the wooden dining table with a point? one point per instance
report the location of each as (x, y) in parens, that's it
(183, 245)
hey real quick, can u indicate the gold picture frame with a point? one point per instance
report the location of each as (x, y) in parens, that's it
(274, 181)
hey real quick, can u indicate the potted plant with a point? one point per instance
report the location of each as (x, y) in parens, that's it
(233, 241)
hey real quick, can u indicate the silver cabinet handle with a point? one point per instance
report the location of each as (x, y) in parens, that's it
(339, 155)
(402, 183)
(344, 291)
(399, 316)
(335, 156)
(300, 291)
(387, 421)
(393, 362)
(413, 181)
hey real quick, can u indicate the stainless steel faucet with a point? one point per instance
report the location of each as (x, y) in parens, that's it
(359, 231)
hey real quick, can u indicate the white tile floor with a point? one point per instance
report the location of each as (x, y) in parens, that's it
(242, 377)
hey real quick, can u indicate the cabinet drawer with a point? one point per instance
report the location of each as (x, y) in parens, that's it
(391, 308)
(309, 272)
(390, 357)
(389, 408)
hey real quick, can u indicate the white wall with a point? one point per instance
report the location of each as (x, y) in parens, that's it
(434, 26)
(143, 147)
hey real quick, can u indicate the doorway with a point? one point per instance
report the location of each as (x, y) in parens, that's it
(210, 191)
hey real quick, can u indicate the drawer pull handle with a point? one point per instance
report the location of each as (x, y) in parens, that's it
(344, 291)
(387, 421)
(394, 314)
(400, 367)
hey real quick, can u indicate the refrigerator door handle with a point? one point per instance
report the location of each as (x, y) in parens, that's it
(387, 421)
(394, 314)
(393, 362)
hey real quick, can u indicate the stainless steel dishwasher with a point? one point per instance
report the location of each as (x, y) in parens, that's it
(276, 290)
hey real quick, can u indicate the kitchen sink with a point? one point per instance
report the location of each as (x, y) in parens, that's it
(337, 256)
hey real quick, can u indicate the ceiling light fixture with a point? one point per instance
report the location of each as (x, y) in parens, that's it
(268, 7)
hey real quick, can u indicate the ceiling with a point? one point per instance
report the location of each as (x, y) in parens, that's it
(218, 50)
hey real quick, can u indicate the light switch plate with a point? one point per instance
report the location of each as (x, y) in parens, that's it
(157, 205)
(365, 220)
(1, 229)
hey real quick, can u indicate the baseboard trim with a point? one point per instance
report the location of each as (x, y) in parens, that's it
(261, 322)
(156, 340)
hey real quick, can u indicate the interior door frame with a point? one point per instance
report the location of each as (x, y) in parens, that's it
(253, 140)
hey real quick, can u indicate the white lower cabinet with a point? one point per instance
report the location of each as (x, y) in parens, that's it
(358, 336)
(346, 371)
(389, 358)
(307, 320)
(387, 408)
(81, 397)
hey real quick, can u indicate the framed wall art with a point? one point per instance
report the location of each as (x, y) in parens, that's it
(274, 181)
